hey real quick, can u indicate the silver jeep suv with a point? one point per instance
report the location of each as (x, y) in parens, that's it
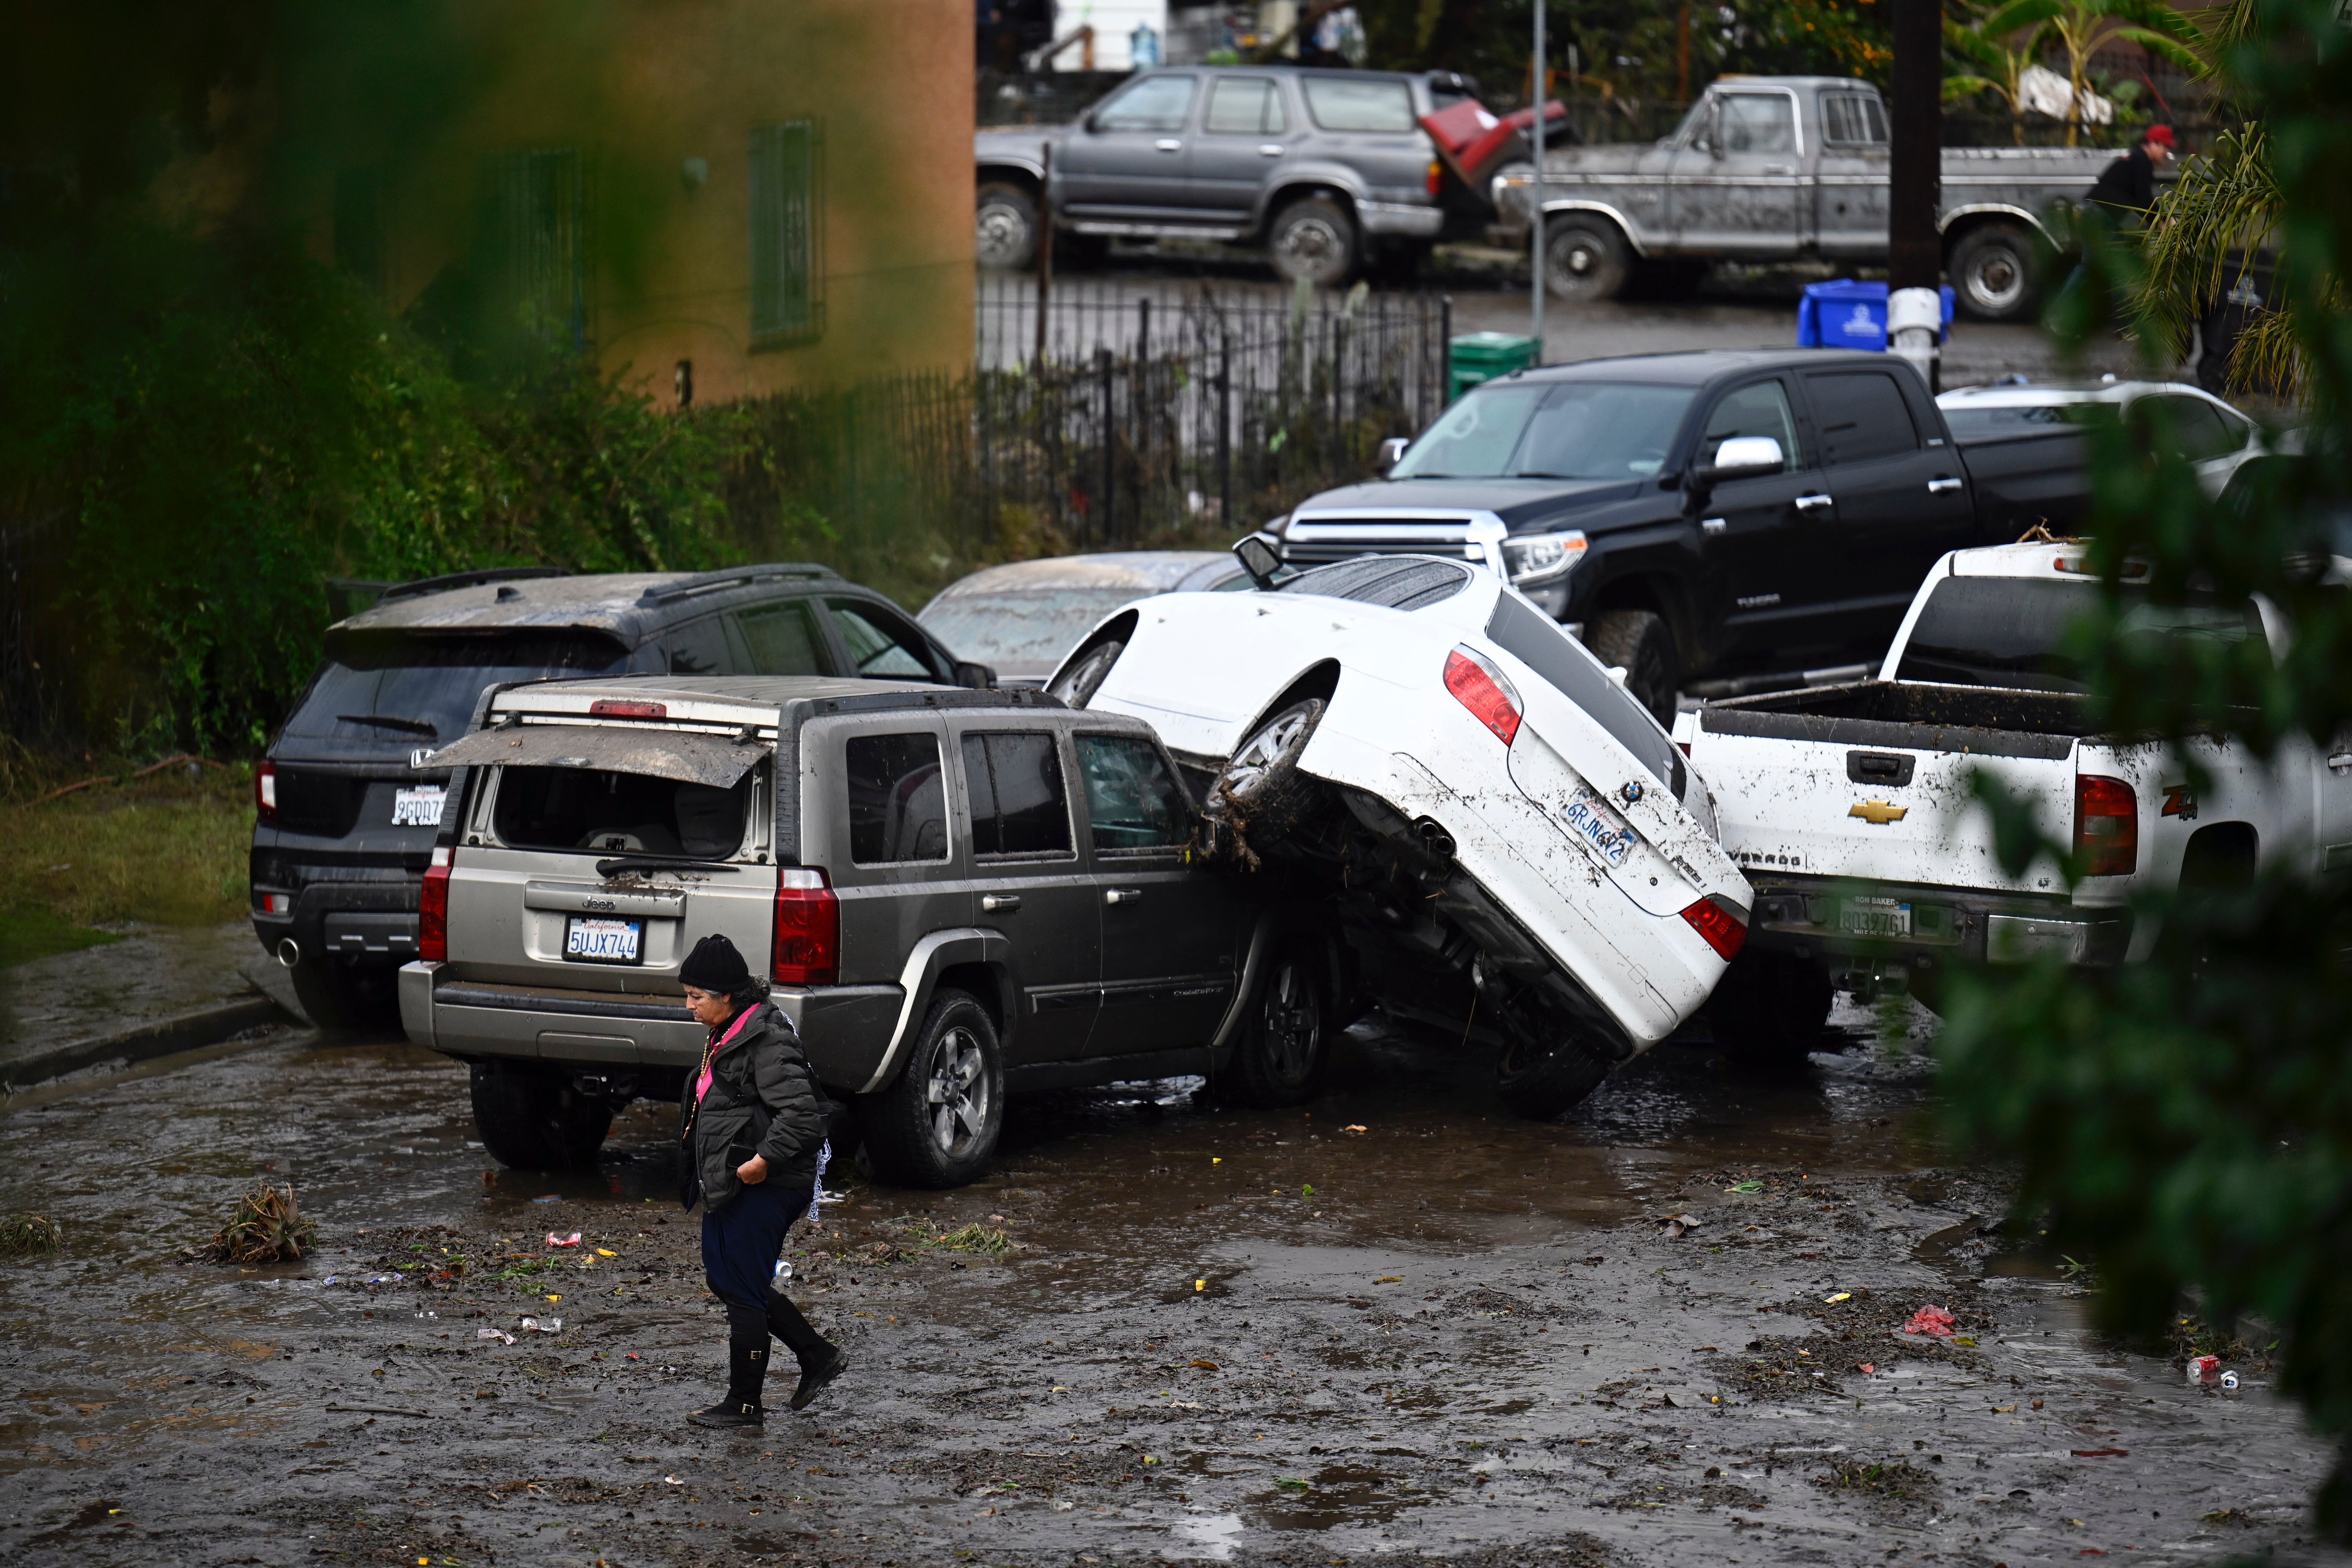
(956, 894)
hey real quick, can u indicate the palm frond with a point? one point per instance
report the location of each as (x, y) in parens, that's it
(2185, 55)
(2268, 357)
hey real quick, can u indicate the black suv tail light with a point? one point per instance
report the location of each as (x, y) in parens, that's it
(808, 929)
(265, 791)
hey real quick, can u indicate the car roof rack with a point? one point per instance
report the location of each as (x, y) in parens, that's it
(469, 580)
(735, 577)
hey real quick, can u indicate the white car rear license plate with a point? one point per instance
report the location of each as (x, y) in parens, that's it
(1596, 826)
(590, 939)
(418, 807)
(1874, 916)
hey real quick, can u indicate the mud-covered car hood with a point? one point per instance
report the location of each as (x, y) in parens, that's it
(1520, 503)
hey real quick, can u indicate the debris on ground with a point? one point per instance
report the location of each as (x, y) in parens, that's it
(552, 1326)
(268, 1227)
(23, 1234)
(494, 1334)
(990, 1240)
(555, 1240)
(1678, 1225)
(1933, 1321)
(1893, 1478)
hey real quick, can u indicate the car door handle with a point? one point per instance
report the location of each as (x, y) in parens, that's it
(1712, 525)
(1169, 144)
(1123, 896)
(1812, 502)
(1270, 149)
(991, 903)
(1780, 168)
(1942, 484)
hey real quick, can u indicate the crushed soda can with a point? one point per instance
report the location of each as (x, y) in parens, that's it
(783, 1275)
(2230, 1381)
(2204, 1368)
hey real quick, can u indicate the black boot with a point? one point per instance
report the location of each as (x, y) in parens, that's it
(820, 1360)
(747, 1370)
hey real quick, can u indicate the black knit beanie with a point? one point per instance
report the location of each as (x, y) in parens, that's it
(714, 966)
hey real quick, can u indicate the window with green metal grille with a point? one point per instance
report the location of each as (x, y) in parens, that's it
(787, 233)
(536, 248)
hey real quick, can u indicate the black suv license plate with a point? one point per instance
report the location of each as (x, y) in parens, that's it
(599, 939)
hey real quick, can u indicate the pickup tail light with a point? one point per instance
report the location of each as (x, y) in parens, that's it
(616, 707)
(808, 929)
(1720, 923)
(1486, 690)
(2106, 827)
(265, 791)
(1437, 182)
(433, 910)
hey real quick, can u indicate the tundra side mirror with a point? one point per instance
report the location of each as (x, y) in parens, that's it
(1742, 458)
(1392, 452)
(1262, 562)
(979, 677)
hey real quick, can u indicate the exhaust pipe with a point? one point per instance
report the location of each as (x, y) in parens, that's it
(289, 951)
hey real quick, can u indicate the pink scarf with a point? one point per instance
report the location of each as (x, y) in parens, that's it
(702, 1085)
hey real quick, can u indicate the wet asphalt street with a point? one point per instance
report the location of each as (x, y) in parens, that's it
(1398, 1325)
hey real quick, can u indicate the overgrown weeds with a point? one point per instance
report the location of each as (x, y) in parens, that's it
(1893, 1478)
(268, 1227)
(169, 849)
(26, 1234)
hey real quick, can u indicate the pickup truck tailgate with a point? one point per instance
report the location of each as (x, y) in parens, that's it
(1836, 794)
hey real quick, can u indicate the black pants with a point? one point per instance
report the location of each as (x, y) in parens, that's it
(740, 1243)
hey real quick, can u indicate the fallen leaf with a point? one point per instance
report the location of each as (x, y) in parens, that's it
(2003, 1409)
(1200, 1284)
(1355, 1128)
(606, 1252)
(1390, 1280)
(1840, 1296)
(1205, 1366)
(1678, 1225)
(2102, 1453)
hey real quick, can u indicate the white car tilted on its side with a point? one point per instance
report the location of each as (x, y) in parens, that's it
(1517, 848)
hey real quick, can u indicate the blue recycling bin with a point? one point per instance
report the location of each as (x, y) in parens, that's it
(1844, 314)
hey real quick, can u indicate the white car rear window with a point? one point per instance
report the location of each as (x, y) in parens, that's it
(1536, 640)
(1391, 582)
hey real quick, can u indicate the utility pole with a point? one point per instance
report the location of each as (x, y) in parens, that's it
(1914, 315)
(1535, 131)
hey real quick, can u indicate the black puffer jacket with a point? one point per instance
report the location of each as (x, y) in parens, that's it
(763, 1100)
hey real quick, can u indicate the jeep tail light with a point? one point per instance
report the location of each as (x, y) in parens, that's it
(614, 708)
(1436, 177)
(1484, 689)
(1720, 923)
(433, 910)
(2106, 827)
(265, 791)
(808, 929)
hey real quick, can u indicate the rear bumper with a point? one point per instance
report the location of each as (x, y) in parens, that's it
(367, 914)
(843, 1028)
(1807, 916)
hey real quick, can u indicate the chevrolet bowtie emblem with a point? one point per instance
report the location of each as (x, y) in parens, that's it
(1878, 813)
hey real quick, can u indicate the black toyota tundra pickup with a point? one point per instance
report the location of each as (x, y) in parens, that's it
(1744, 516)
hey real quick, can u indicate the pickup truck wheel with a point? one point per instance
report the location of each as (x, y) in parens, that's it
(1585, 261)
(1640, 642)
(533, 1119)
(341, 998)
(1006, 222)
(1771, 1007)
(1287, 1042)
(1993, 273)
(1542, 1074)
(1261, 795)
(937, 1125)
(1077, 687)
(1314, 238)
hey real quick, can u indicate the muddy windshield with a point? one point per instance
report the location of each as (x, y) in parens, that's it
(417, 689)
(608, 812)
(1579, 430)
(1018, 632)
(1978, 424)
(2012, 631)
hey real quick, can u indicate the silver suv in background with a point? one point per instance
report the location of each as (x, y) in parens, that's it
(956, 895)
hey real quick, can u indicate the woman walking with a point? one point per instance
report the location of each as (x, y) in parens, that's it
(751, 1128)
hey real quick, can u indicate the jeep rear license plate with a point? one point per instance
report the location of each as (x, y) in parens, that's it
(595, 938)
(1597, 827)
(1874, 916)
(418, 807)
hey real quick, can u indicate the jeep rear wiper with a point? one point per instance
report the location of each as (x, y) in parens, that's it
(620, 863)
(414, 726)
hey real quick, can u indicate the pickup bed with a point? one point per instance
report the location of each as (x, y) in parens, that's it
(1770, 168)
(1850, 808)
(1609, 491)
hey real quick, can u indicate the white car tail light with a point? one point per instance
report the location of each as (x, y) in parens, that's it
(1484, 689)
(1720, 924)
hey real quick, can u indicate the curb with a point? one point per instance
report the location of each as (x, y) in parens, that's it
(187, 1032)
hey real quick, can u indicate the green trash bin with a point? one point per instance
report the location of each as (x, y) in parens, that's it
(1482, 356)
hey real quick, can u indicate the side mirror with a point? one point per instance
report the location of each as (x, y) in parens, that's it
(1392, 452)
(979, 677)
(1262, 562)
(1743, 457)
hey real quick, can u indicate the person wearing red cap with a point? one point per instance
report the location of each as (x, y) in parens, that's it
(2126, 187)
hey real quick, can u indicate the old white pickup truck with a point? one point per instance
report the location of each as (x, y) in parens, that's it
(1849, 807)
(1770, 168)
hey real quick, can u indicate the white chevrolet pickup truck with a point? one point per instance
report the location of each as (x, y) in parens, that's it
(1849, 810)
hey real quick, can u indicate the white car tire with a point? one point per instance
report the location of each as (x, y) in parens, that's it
(1077, 685)
(1261, 795)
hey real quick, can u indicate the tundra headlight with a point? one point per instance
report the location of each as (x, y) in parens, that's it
(1535, 559)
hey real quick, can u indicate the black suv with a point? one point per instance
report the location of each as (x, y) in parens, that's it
(346, 822)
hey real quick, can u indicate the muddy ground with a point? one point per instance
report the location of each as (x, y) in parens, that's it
(1398, 1324)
